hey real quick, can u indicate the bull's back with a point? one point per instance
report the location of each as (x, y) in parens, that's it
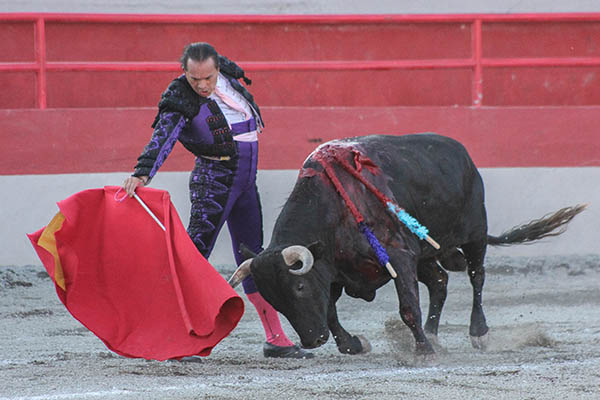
(435, 180)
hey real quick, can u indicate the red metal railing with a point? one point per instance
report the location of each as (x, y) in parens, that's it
(476, 62)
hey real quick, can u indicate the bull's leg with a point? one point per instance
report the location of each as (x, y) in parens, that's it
(410, 312)
(475, 253)
(346, 343)
(436, 280)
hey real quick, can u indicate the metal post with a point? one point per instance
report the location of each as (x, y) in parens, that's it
(40, 56)
(476, 43)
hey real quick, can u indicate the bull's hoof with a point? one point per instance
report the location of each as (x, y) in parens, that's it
(433, 339)
(480, 342)
(426, 360)
(435, 343)
(366, 345)
(357, 345)
(425, 356)
(423, 348)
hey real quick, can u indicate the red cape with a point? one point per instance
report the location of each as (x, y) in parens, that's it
(144, 291)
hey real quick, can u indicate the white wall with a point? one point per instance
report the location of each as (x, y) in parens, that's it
(513, 196)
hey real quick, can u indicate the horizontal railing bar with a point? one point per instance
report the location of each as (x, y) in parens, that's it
(249, 65)
(541, 62)
(18, 66)
(357, 65)
(313, 65)
(307, 19)
(113, 66)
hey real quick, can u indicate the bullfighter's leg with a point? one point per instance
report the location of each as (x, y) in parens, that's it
(410, 312)
(210, 192)
(436, 280)
(475, 254)
(244, 221)
(245, 226)
(346, 343)
(226, 191)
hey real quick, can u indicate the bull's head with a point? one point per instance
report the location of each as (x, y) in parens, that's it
(290, 255)
(296, 282)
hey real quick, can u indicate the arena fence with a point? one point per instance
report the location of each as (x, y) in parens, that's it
(518, 90)
(539, 59)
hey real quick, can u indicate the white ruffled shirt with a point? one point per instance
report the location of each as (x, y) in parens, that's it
(231, 115)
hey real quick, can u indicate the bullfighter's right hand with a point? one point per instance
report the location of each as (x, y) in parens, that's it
(131, 183)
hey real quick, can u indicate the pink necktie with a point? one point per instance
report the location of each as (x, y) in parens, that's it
(231, 103)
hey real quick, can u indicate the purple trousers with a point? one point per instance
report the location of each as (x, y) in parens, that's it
(225, 191)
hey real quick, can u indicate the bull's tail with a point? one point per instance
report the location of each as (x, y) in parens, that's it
(549, 225)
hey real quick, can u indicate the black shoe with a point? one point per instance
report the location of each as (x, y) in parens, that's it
(270, 350)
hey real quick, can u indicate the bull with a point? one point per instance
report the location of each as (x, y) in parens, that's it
(316, 250)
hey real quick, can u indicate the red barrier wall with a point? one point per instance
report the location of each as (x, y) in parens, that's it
(108, 140)
(79, 91)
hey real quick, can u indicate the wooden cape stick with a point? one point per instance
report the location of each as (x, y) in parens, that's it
(149, 211)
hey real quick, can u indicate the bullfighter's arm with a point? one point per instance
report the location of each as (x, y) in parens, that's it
(166, 132)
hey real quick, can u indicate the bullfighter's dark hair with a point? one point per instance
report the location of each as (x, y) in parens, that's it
(199, 51)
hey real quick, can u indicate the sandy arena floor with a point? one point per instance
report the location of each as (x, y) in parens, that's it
(544, 315)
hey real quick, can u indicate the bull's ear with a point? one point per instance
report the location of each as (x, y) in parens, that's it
(316, 248)
(246, 252)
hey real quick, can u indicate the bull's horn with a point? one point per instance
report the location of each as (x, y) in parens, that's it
(292, 254)
(240, 273)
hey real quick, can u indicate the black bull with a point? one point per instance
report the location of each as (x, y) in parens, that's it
(316, 250)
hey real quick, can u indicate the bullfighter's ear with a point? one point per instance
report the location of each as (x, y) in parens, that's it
(246, 252)
(316, 248)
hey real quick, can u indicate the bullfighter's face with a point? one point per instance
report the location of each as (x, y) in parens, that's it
(202, 76)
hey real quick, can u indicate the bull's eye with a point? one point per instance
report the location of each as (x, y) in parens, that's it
(299, 289)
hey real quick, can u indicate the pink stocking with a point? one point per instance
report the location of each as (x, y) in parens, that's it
(270, 320)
